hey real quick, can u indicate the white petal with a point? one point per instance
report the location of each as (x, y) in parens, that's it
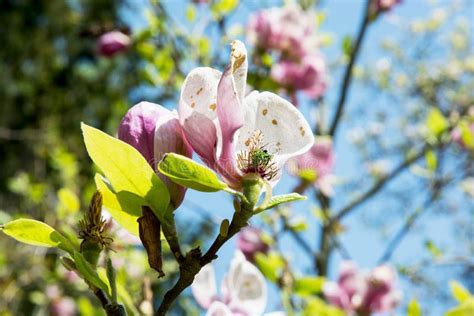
(247, 286)
(219, 309)
(199, 93)
(239, 66)
(284, 128)
(204, 286)
(285, 131)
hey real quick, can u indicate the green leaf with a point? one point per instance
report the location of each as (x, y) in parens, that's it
(68, 201)
(309, 285)
(188, 173)
(270, 265)
(464, 309)
(126, 169)
(88, 273)
(222, 7)
(281, 199)
(316, 306)
(431, 160)
(459, 292)
(436, 122)
(347, 45)
(433, 249)
(467, 134)
(36, 233)
(124, 208)
(414, 308)
(123, 296)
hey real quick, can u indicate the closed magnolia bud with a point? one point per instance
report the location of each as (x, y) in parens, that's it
(112, 43)
(149, 231)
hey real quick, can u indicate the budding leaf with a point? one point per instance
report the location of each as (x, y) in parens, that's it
(436, 122)
(281, 199)
(88, 273)
(36, 233)
(307, 286)
(188, 173)
(414, 308)
(124, 208)
(270, 265)
(459, 293)
(126, 169)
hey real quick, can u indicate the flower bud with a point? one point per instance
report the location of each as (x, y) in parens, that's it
(112, 43)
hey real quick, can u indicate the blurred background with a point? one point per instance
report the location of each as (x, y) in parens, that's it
(405, 187)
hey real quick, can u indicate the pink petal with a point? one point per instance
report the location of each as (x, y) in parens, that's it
(169, 137)
(138, 128)
(219, 309)
(201, 134)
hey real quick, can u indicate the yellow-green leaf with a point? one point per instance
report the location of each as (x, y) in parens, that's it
(459, 292)
(88, 273)
(124, 208)
(188, 173)
(36, 233)
(126, 169)
(436, 122)
(463, 309)
(309, 285)
(414, 308)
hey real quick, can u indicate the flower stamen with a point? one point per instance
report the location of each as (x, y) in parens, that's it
(257, 158)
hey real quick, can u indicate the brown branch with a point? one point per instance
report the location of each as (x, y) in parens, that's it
(348, 72)
(193, 261)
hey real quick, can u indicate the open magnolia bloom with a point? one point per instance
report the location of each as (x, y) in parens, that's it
(244, 291)
(154, 131)
(364, 292)
(236, 134)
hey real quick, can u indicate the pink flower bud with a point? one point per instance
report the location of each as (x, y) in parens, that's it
(250, 242)
(154, 131)
(112, 43)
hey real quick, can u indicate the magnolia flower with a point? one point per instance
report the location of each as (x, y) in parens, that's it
(364, 293)
(154, 131)
(112, 43)
(308, 75)
(244, 291)
(378, 6)
(288, 29)
(250, 242)
(316, 165)
(237, 134)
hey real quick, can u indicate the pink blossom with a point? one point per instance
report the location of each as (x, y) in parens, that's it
(379, 6)
(288, 29)
(244, 291)
(112, 43)
(154, 131)
(307, 75)
(250, 242)
(316, 165)
(227, 129)
(361, 292)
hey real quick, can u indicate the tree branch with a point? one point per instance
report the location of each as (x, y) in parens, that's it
(193, 261)
(348, 72)
(378, 185)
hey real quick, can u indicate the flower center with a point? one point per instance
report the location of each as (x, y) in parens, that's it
(257, 159)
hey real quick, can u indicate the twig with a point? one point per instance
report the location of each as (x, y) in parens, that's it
(193, 262)
(348, 72)
(378, 185)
